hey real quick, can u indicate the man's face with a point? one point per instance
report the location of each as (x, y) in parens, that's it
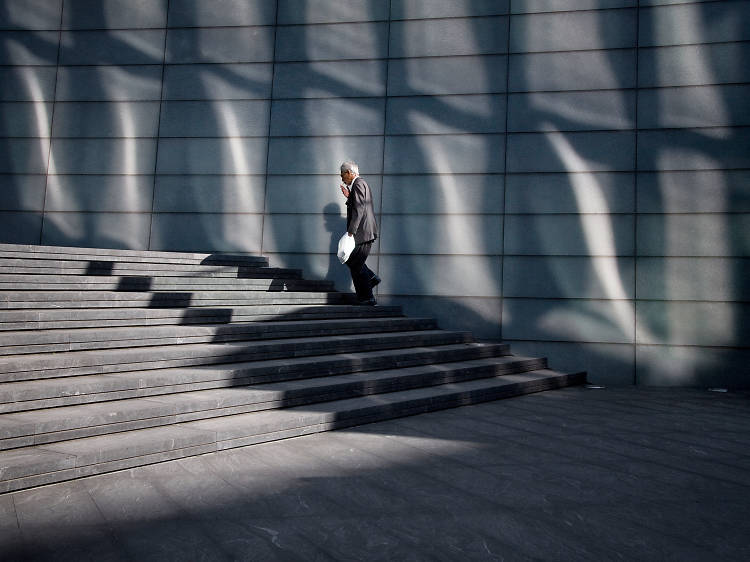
(347, 177)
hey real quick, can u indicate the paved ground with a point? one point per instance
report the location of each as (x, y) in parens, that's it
(576, 474)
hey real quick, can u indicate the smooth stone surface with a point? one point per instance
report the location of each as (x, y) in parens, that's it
(481, 482)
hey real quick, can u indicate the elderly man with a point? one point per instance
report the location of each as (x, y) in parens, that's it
(360, 223)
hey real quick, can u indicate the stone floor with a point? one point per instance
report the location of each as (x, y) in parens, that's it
(575, 474)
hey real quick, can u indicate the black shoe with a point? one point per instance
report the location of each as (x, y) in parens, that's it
(368, 302)
(374, 281)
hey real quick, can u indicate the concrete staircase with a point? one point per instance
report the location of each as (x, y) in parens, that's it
(111, 359)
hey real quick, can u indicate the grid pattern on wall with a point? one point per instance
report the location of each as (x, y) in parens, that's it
(569, 176)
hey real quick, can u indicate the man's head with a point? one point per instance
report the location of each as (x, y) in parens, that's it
(349, 171)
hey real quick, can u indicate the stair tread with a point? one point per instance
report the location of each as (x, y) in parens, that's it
(74, 252)
(75, 363)
(76, 453)
(277, 369)
(59, 319)
(106, 334)
(104, 413)
(25, 266)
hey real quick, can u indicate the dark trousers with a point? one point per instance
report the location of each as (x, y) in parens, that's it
(361, 274)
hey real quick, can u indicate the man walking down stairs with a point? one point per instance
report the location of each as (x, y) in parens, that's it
(111, 359)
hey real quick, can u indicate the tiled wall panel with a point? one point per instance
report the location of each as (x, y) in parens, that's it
(20, 227)
(481, 113)
(27, 83)
(24, 156)
(206, 232)
(212, 155)
(571, 152)
(694, 106)
(209, 194)
(28, 47)
(108, 83)
(419, 9)
(574, 31)
(332, 42)
(579, 192)
(217, 81)
(322, 117)
(574, 277)
(105, 230)
(317, 194)
(25, 119)
(125, 46)
(330, 79)
(102, 156)
(693, 278)
(106, 119)
(694, 191)
(447, 75)
(323, 155)
(330, 11)
(448, 37)
(570, 320)
(565, 235)
(444, 154)
(226, 118)
(31, 14)
(582, 70)
(99, 193)
(571, 111)
(443, 194)
(442, 234)
(449, 276)
(695, 22)
(220, 45)
(107, 14)
(22, 192)
(199, 13)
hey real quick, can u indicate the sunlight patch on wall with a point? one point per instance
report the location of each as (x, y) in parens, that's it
(599, 236)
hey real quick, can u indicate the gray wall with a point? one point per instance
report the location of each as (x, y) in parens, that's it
(569, 176)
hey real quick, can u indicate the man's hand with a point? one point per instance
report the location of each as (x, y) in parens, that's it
(345, 190)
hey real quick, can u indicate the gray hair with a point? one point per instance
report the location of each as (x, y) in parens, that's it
(351, 166)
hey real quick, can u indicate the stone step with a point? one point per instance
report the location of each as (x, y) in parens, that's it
(74, 422)
(56, 318)
(73, 363)
(116, 255)
(85, 389)
(56, 341)
(14, 283)
(65, 460)
(10, 300)
(155, 270)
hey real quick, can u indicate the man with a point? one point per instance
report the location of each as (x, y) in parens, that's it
(360, 223)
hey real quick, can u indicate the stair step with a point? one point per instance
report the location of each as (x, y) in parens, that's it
(56, 462)
(58, 296)
(73, 422)
(10, 267)
(54, 392)
(184, 299)
(14, 283)
(55, 318)
(115, 255)
(55, 341)
(29, 367)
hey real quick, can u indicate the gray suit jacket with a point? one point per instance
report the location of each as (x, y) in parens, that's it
(360, 215)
